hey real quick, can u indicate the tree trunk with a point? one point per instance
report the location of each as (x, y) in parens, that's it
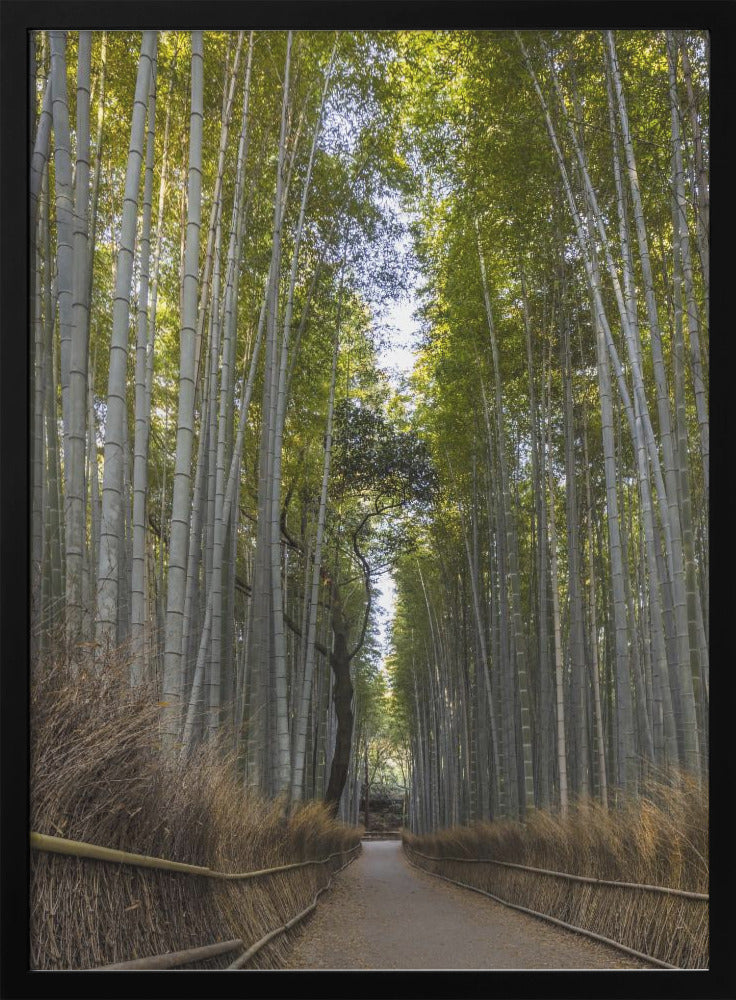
(343, 701)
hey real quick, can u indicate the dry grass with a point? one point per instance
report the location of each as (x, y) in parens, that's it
(660, 838)
(97, 775)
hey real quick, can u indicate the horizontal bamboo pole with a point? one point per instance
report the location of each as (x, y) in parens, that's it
(552, 920)
(174, 958)
(79, 849)
(567, 875)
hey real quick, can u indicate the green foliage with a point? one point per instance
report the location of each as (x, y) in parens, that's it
(373, 459)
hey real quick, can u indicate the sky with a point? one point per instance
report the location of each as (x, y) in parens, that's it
(398, 361)
(399, 358)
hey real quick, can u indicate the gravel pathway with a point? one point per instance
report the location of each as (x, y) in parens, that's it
(383, 914)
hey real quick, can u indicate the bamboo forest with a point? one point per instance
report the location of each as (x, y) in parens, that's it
(369, 446)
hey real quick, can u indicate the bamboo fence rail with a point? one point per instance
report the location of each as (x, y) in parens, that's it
(79, 849)
(254, 948)
(567, 875)
(170, 960)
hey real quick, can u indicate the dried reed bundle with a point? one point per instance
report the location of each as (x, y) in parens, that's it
(97, 775)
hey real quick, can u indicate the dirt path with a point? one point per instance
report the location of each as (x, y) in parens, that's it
(383, 914)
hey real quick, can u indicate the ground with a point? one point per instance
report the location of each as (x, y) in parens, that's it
(381, 913)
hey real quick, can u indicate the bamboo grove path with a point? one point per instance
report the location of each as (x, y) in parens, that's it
(381, 913)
